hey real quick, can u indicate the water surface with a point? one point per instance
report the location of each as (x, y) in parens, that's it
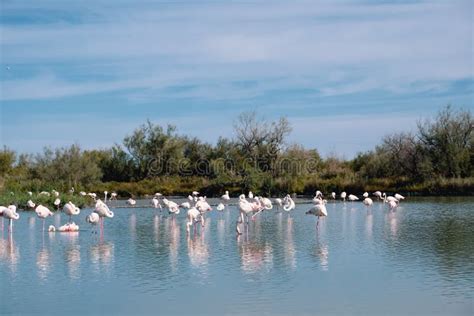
(416, 260)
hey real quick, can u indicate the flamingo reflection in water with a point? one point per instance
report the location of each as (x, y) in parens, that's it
(198, 251)
(322, 251)
(393, 223)
(174, 242)
(102, 255)
(43, 262)
(255, 256)
(221, 231)
(133, 225)
(9, 252)
(156, 227)
(31, 222)
(369, 224)
(73, 255)
(289, 245)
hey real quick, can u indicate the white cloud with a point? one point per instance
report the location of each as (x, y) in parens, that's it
(286, 58)
(154, 46)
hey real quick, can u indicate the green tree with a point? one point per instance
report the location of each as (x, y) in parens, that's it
(7, 160)
(449, 141)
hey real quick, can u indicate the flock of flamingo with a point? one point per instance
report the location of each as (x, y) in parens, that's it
(197, 206)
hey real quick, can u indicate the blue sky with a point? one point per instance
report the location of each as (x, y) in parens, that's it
(345, 73)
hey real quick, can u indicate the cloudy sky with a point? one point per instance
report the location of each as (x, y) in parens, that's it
(345, 73)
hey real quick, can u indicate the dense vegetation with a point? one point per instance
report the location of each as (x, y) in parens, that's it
(437, 159)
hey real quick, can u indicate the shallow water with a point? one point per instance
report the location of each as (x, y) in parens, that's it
(416, 260)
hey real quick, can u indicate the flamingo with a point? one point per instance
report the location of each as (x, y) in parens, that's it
(113, 196)
(173, 208)
(10, 214)
(71, 191)
(57, 202)
(131, 202)
(43, 212)
(399, 197)
(195, 193)
(226, 196)
(70, 209)
(30, 204)
(289, 204)
(156, 203)
(378, 194)
(250, 195)
(103, 211)
(44, 193)
(93, 219)
(318, 201)
(68, 227)
(266, 203)
(185, 205)
(318, 194)
(318, 211)
(2, 209)
(365, 195)
(30, 193)
(202, 205)
(368, 202)
(82, 193)
(343, 196)
(278, 202)
(333, 195)
(220, 207)
(105, 196)
(392, 205)
(389, 199)
(353, 198)
(246, 208)
(194, 216)
(55, 193)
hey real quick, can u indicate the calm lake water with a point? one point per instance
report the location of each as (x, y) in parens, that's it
(416, 260)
